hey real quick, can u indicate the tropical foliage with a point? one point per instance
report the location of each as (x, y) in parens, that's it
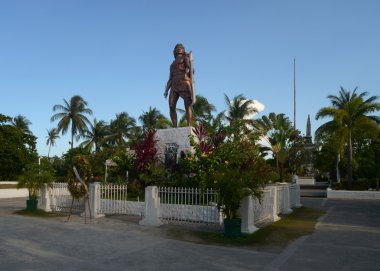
(72, 113)
(95, 137)
(17, 149)
(34, 176)
(52, 136)
(121, 129)
(238, 108)
(349, 112)
(230, 163)
(281, 140)
(153, 119)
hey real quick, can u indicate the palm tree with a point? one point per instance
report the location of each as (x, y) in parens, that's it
(239, 108)
(22, 124)
(96, 135)
(349, 112)
(53, 134)
(121, 128)
(202, 111)
(277, 131)
(74, 113)
(151, 118)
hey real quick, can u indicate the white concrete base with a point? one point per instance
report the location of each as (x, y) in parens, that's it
(179, 136)
(153, 222)
(92, 215)
(345, 194)
(305, 181)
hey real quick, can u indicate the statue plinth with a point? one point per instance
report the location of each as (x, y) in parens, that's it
(173, 141)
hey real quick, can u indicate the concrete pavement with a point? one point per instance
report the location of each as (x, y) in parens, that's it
(347, 238)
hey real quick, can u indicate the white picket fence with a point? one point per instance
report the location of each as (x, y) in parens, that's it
(173, 205)
(293, 195)
(113, 200)
(280, 199)
(61, 199)
(262, 211)
(107, 199)
(180, 205)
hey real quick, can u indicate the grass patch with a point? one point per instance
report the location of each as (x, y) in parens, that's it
(273, 237)
(38, 213)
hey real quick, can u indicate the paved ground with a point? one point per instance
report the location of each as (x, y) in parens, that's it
(347, 238)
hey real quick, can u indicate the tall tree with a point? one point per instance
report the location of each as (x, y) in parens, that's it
(151, 118)
(349, 112)
(239, 108)
(277, 131)
(72, 113)
(22, 124)
(96, 135)
(121, 129)
(16, 150)
(202, 111)
(52, 136)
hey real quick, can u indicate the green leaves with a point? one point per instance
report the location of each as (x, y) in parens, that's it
(349, 112)
(34, 176)
(74, 114)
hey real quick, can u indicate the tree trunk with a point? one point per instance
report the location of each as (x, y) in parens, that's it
(278, 168)
(72, 139)
(349, 160)
(337, 168)
(49, 150)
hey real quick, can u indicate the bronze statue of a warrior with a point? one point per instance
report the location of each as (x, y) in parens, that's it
(181, 83)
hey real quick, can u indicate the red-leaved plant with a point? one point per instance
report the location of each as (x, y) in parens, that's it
(146, 151)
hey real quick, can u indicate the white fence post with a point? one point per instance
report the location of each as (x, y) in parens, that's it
(247, 215)
(274, 217)
(94, 200)
(152, 207)
(45, 192)
(286, 199)
(298, 196)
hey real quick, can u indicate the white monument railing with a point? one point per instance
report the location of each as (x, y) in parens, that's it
(174, 204)
(276, 199)
(112, 199)
(279, 198)
(103, 199)
(262, 211)
(293, 194)
(188, 205)
(61, 199)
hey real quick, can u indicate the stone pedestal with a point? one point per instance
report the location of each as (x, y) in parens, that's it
(173, 139)
(247, 216)
(152, 208)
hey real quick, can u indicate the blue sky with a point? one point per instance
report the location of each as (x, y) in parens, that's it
(116, 54)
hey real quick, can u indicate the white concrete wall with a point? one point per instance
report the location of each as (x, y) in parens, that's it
(344, 194)
(13, 193)
(180, 136)
(305, 181)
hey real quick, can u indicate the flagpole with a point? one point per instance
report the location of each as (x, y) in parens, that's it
(294, 91)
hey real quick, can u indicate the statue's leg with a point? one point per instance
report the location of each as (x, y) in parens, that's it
(189, 114)
(173, 99)
(187, 103)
